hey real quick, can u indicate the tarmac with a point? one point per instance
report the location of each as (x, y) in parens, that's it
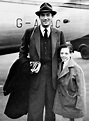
(5, 64)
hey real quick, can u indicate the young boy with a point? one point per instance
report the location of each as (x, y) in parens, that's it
(70, 94)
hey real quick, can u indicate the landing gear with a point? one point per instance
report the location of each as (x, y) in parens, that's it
(85, 52)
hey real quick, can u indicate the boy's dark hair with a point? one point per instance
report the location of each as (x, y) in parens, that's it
(69, 45)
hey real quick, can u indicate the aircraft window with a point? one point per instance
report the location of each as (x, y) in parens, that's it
(66, 21)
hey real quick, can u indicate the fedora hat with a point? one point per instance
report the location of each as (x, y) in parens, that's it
(45, 7)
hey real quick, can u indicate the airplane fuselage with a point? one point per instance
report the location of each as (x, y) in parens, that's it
(17, 17)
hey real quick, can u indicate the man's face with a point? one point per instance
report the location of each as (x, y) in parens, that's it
(46, 19)
(65, 54)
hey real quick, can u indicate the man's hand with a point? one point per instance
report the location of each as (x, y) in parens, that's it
(35, 67)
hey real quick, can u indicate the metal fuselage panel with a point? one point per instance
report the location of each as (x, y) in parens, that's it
(15, 18)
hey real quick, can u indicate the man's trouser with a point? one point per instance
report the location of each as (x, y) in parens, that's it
(42, 96)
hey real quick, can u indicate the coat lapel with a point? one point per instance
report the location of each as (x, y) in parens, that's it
(63, 72)
(54, 39)
(66, 69)
(36, 37)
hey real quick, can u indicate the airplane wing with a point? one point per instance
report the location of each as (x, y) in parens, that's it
(75, 5)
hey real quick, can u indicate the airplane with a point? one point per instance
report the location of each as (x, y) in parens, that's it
(72, 18)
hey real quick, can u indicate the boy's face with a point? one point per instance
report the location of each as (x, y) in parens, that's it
(46, 19)
(65, 54)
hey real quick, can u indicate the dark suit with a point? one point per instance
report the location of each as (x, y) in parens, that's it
(34, 48)
(42, 89)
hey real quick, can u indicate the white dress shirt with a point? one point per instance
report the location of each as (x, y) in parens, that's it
(43, 30)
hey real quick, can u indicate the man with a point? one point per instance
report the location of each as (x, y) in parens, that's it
(41, 44)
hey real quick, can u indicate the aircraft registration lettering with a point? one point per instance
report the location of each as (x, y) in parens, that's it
(19, 23)
(57, 23)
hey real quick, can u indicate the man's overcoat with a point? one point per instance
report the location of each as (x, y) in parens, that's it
(17, 86)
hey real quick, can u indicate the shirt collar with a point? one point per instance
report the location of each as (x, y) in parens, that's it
(70, 63)
(65, 63)
(42, 30)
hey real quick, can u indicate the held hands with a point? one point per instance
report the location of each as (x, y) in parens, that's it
(35, 67)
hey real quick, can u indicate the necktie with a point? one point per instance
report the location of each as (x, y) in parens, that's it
(45, 34)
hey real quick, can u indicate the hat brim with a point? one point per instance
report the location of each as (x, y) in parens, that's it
(45, 11)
